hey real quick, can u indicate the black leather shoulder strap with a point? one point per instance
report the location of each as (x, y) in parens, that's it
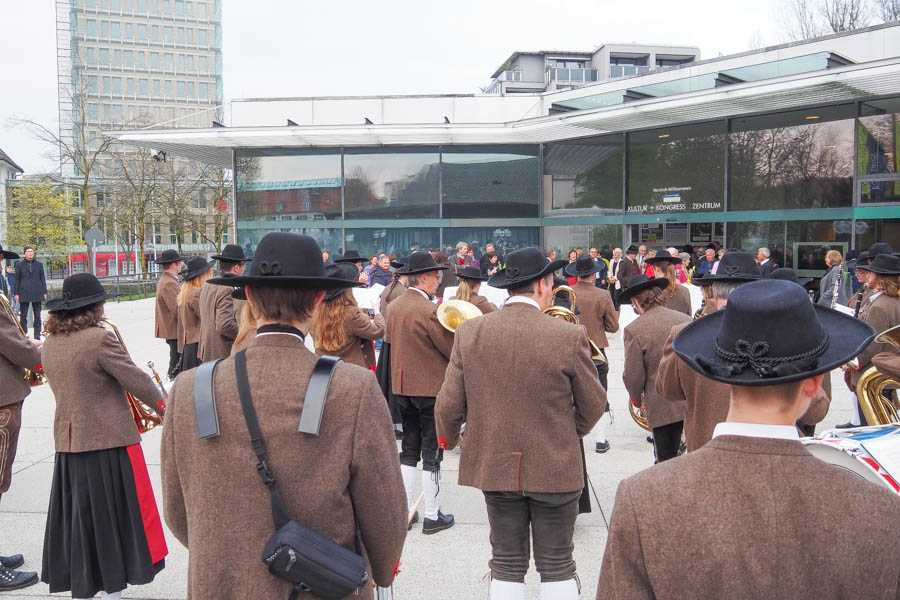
(207, 414)
(316, 395)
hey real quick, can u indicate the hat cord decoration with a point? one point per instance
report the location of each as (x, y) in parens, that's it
(270, 267)
(512, 271)
(67, 295)
(752, 355)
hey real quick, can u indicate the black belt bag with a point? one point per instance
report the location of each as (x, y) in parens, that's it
(308, 560)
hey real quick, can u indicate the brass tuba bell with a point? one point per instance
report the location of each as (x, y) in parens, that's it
(454, 312)
(875, 406)
(638, 416)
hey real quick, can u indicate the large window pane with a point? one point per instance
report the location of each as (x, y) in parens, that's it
(800, 159)
(396, 241)
(751, 236)
(287, 192)
(250, 233)
(877, 161)
(505, 239)
(479, 182)
(585, 176)
(809, 241)
(391, 184)
(678, 169)
(563, 238)
(870, 231)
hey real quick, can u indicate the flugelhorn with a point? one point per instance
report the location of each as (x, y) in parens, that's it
(34, 376)
(157, 378)
(145, 417)
(568, 314)
(454, 312)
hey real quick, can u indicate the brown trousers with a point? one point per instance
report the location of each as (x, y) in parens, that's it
(10, 423)
(548, 519)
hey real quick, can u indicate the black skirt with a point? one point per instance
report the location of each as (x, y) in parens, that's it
(103, 528)
(383, 374)
(189, 357)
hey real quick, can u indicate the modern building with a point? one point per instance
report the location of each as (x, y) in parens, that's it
(793, 147)
(8, 172)
(136, 63)
(556, 70)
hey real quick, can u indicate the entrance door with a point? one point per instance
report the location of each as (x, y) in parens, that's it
(658, 235)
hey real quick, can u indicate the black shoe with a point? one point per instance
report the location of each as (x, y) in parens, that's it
(413, 521)
(16, 580)
(602, 447)
(443, 522)
(12, 562)
(847, 425)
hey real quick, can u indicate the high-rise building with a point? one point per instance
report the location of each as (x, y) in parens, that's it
(136, 63)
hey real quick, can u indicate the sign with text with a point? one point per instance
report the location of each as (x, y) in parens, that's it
(675, 199)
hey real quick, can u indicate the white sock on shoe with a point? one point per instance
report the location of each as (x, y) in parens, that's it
(431, 488)
(409, 484)
(507, 590)
(560, 590)
(113, 596)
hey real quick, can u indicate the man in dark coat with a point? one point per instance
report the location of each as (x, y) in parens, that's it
(31, 289)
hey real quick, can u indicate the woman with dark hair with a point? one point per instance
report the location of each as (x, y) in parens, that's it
(677, 297)
(103, 529)
(341, 328)
(196, 271)
(470, 279)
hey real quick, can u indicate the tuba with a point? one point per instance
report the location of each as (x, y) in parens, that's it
(35, 376)
(454, 312)
(875, 406)
(566, 314)
(145, 417)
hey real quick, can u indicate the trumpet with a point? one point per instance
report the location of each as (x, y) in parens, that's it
(157, 378)
(145, 417)
(34, 376)
(566, 314)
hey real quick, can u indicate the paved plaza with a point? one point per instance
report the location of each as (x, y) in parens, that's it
(449, 565)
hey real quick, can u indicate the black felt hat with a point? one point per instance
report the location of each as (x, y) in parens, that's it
(471, 274)
(663, 257)
(286, 259)
(632, 249)
(167, 257)
(351, 256)
(770, 334)
(523, 266)
(398, 262)
(735, 267)
(346, 273)
(238, 293)
(79, 290)
(231, 253)
(879, 248)
(638, 284)
(582, 267)
(420, 262)
(882, 264)
(195, 267)
(7, 254)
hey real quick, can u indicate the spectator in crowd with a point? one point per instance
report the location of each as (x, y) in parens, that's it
(370, 268)
(490, 261)
(326, 256)
(648, 268)
(31, 289)
(642, 256)
(765, 262)
(382, 271)
(10, 279)
(602, 268)
(705, 267)
(462, 257)
(680, 271)
(834, 287)
(551, 254)
(449, 279)
(573, 256)
(473, 257)
(685, 266)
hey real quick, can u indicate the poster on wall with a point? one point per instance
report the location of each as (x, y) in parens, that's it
(652, 233)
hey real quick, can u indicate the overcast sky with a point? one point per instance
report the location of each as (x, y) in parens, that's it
(350, 47)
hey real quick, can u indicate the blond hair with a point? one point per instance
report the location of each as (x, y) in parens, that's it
(328, 322)
(466, 290)
(834, 257)
(193, 284)
(889, 284)
(246, 328)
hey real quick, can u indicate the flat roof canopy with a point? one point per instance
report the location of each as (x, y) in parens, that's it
(837, 85)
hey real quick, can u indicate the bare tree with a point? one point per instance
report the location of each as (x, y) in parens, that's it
(888, 10)
(845, 15)
(801, 19)
(180, 181)
(136, 185)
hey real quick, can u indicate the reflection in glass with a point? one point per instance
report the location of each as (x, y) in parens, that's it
(678, 169)
(505, 239)
(502, 183)
(876, 154)
(586, 175)
(750, 236)
(391, 184)
(399, 242)
(809, 241)
(792, 166)
(250, 233)
(870, 231)
(563, 238)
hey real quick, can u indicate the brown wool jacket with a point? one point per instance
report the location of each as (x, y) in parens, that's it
(523, 430)
(483, 304)
(189, 320)
(17, 353)
(747, 518)
(596, 312)
(89, 373)
(680, 301)
(644, 339)
(420, 347)
(361, 331)
(218, 321)
(167, 307)
(887, 362)
(881, 314)
(216, 505)
(388, 295)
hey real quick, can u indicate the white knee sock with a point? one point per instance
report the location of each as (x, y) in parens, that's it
(600, 430)
(507, 590)
(431, 488)
(855, 417)
(113, 596)
(409, 484)
(560, 590)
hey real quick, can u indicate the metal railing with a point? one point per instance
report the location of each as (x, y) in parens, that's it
(620, 71)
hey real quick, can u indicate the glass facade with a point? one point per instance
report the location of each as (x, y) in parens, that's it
(798, 182)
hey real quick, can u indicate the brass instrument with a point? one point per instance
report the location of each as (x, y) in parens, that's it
(454, 312)
(561, 312)
(878, 409)
(639, 417)
(35, 376)
(145, 417)
(157, 378)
